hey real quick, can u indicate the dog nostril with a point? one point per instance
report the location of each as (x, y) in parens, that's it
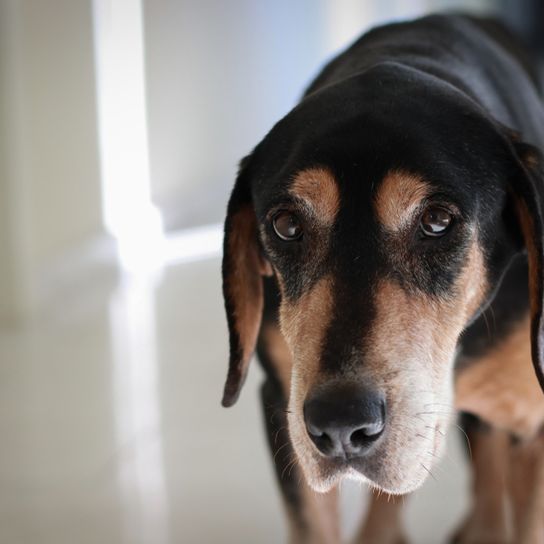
(313, 431)
(324, 443)
(362, 437)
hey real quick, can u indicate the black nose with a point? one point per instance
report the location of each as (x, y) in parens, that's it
(344, 421)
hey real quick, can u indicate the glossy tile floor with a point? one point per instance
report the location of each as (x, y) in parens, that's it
(111, 429)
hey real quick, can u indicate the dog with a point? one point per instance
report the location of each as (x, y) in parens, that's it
(383, 254)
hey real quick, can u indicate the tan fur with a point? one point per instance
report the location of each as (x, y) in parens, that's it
(502, 388)
(421, 319)
(280, 355)
(399, 196)
(319, 190)
(244, 283)
(303, 325)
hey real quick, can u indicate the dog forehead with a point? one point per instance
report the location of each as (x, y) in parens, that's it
(361, 129)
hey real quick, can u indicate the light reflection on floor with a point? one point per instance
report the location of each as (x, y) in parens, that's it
(112, 430)
(137, 410)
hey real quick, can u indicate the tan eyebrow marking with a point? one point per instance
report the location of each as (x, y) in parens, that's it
(397, 199)
(318, 187)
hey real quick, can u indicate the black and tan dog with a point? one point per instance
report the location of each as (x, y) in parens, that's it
(384, 253)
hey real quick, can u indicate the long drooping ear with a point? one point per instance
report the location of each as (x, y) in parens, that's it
(243, 266)
(528, 190)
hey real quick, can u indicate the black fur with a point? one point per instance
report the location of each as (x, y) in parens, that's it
(452, 99)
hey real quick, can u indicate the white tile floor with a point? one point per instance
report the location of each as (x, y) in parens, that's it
(112, 432)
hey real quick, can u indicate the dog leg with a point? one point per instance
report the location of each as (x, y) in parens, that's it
(383, 523)
(527, 490)
(487, 522)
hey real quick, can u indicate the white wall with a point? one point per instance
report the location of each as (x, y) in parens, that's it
(221, 73)
(49, 174)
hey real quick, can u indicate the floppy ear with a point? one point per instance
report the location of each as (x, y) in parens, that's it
(243, 266)
(528, 190)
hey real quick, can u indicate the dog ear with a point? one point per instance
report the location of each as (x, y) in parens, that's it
(527, 187)
(243, 266)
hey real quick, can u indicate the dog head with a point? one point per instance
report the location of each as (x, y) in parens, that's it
(388, 225)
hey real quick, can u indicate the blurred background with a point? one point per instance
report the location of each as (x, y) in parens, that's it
(121, 125)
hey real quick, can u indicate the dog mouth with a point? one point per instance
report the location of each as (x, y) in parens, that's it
(374, 471)
(395, 464)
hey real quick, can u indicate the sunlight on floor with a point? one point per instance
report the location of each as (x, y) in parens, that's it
(137, 409)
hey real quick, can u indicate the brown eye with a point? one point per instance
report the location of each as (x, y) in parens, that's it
(435, 221)
(287, 226)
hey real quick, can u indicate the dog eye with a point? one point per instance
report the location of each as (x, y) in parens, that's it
(435, 221)
(287, 226)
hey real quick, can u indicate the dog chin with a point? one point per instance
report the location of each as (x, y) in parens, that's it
(324, 484)
(323, 475)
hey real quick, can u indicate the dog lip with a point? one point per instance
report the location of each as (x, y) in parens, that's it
(336, 464)
(346, 461)
(339, 468)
